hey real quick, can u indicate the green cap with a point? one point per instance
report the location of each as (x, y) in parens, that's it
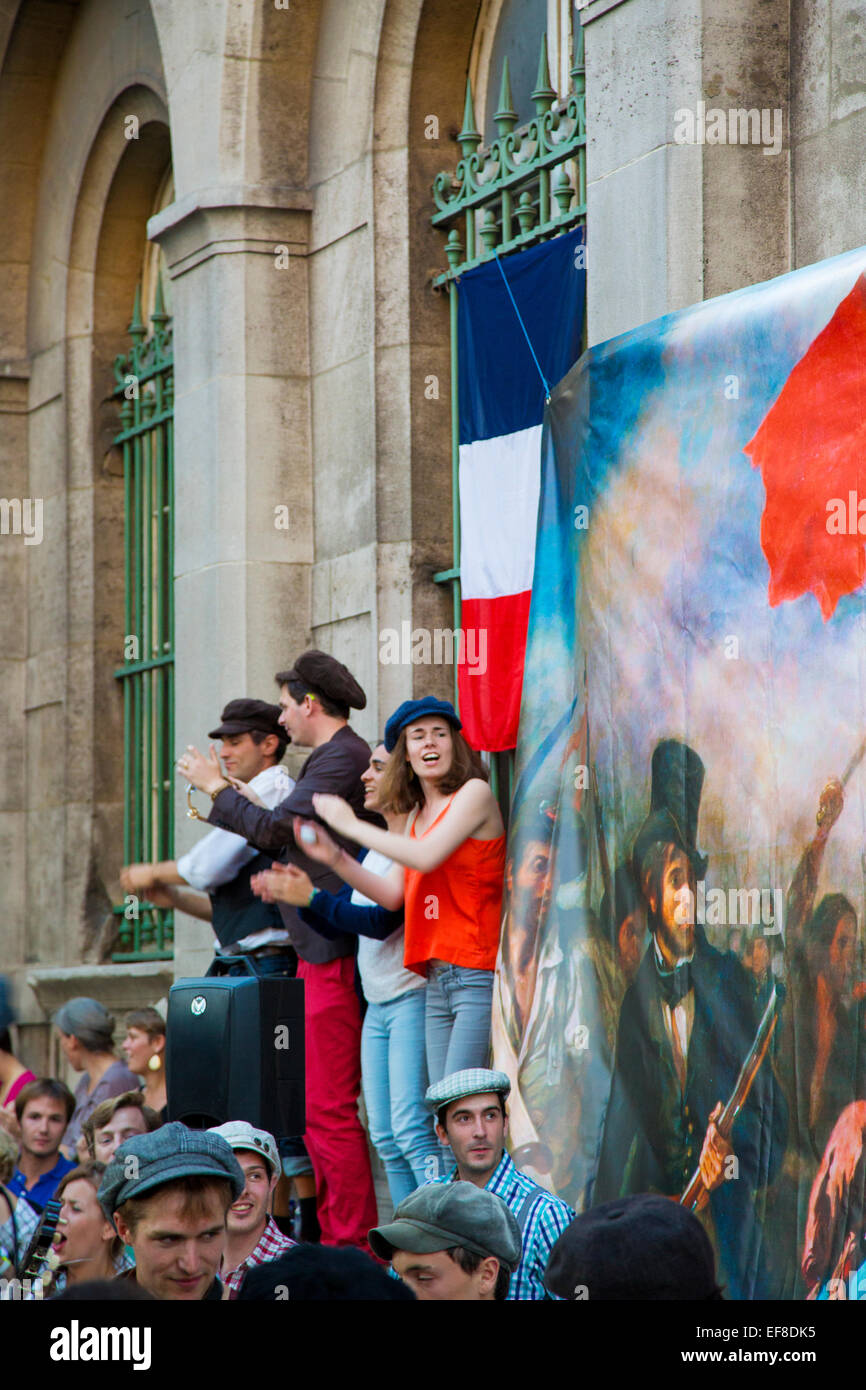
(441, 1215)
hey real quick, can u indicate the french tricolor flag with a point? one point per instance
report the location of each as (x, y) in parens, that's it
(501, 399)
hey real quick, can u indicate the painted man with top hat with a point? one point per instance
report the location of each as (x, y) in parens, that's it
(687, 1025)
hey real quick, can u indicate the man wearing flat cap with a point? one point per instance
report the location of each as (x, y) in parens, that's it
(457, 1243)
(686, 1027)
(219, 867)
(316, 695)
(167, 1195)
(471, 1121)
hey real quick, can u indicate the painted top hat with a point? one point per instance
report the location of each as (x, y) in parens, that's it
(677, 782)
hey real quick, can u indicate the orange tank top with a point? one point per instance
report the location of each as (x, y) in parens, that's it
(454, 912)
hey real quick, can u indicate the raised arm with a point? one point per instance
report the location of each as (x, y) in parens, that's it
(384, 889)
(473, 812)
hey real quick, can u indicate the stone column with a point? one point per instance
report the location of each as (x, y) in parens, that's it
(670, 221)
(243, 484)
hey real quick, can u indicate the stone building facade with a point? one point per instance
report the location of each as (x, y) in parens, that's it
(270, 165)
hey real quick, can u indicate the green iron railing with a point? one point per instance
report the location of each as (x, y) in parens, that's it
(528, 186)
(145, 390)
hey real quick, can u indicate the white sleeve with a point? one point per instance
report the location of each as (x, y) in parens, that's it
(220, 855)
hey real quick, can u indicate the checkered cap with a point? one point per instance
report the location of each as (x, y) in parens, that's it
(471, 1082)
(240, 1134)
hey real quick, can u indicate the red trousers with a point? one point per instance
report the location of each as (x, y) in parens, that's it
(335, 1138)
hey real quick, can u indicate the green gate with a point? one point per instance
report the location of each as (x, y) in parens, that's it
(145, 391)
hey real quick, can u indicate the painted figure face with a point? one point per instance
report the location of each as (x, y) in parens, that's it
(675, 913)
(842, 953)
(529, 886)
(760, 957)
(629, 942)
(437, 1278)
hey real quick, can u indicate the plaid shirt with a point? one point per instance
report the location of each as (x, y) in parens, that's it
(272, 1244)
(546, 1220)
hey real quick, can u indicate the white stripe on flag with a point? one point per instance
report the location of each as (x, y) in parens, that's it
(499, 486)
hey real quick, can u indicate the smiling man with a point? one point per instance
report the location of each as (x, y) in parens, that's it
(471, 1121)
(115, 1120)
(167, 1195)
(252, 1235)
(212, 880)
(43, 1110)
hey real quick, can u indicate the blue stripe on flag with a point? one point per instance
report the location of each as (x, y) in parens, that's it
(500, 389)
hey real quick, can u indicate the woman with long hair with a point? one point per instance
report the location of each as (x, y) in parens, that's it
(144, 1050)
(393, 1065)
(448, 871)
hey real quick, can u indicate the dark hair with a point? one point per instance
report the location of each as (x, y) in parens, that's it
(106, 1111)
(5, 1040)
(822, 928)
(148, 1021)
(469, 1262)
(443, 1109)
(93, 1173)
(652, 871)
(104, 1291)
(400, 788)
(258, 737)
(298, 690)
(45, 1086)
(193, 1188)
(322, 1272)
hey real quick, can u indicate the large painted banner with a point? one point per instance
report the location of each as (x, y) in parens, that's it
(680, 985)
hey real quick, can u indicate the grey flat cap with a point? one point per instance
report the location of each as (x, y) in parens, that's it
(471, 1082)
(441, 1215)
(174, 1151)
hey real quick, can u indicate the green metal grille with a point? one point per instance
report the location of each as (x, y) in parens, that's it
(528, 186)
(145, 391)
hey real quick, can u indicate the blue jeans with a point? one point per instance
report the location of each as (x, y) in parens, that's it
(394, 1078)
(459, 1006)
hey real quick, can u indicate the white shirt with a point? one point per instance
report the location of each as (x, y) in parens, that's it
(380, 963)
(221, 854)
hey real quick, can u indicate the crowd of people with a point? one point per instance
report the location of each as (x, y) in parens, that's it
(377, 878)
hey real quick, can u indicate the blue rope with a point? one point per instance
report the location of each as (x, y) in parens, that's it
(523, 326)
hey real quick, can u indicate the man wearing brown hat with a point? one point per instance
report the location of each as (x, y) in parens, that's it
(212, 881)
(316, 695)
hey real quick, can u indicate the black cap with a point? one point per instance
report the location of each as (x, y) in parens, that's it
(243, 716)
(677, 782)
(325, 675)
(642, 1247)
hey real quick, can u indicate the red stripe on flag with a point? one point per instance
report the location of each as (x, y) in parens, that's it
(490, 677)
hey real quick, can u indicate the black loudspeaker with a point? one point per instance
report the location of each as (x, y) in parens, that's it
(235, 1051)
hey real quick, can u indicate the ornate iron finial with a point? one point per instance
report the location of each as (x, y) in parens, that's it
(469, 137)
(454, 248)
(577, 71)
(136, 327)
(543, 94)
(562, 189)
(525, 212)
(506, 116)
(159, 316)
